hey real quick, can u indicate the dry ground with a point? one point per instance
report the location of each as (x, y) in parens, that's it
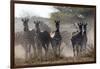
(87, 57)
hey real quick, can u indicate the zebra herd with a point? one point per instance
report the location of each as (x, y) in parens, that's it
(42, 39)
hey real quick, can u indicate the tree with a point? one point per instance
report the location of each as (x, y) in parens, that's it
(71, 14)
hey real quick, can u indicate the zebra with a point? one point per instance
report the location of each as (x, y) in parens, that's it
(29, 38)
(42, 39)
(56, 39)
(79, 40)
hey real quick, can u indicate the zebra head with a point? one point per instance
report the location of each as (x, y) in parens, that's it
(82, 27)
(37, 23)
(25, 23)
(57, 25)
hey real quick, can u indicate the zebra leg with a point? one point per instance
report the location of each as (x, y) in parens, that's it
(59, 49)
(85, 46)
(55, 50)
(54, 53)
(30, 56)
(40, 52)
(38, 45)
(81, 49)
(53, 43)
(74, 50)
(78, 50)
(76, 53)
(26, 54)
(47, 46)
(34, 48)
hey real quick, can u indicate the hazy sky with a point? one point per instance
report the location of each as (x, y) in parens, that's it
(22, 10)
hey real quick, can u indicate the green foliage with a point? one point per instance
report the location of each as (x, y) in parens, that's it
(66, 14)
(76, 10)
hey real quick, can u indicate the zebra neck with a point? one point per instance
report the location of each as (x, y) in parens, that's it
(85, 33)
(37, 32)
(57, 30)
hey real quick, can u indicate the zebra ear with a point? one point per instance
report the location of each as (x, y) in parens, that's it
(78, 24)
(34, 22)
(38, 21)
(23, 20)
(26, 19)
(57, 21)
(81, 23)
(85, 23)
